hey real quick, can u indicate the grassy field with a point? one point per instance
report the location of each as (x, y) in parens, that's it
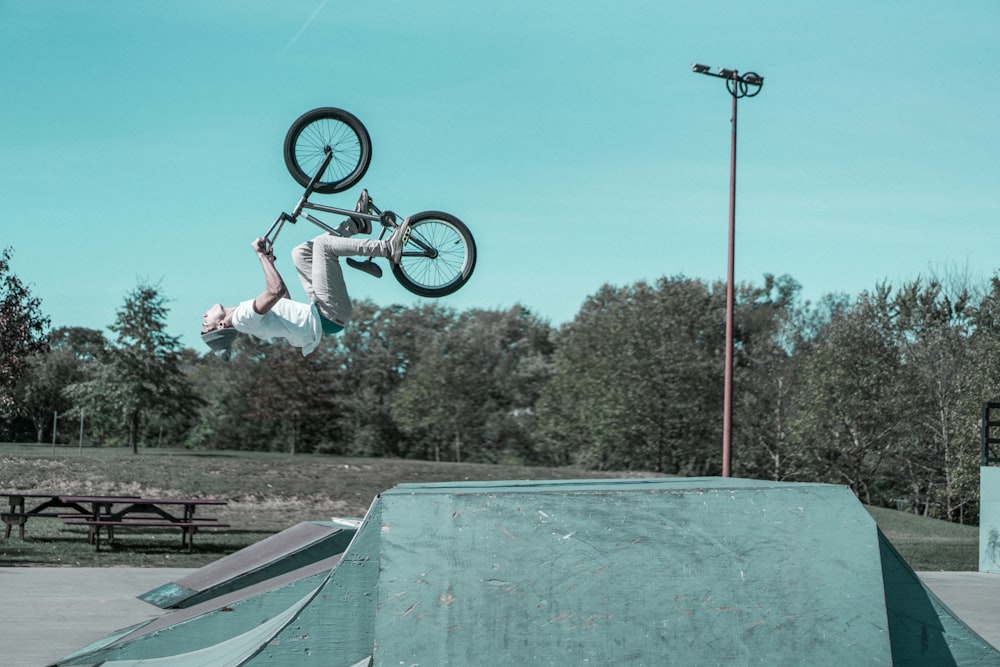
(930, 544)
(270, 492)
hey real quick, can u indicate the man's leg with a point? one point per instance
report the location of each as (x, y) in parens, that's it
(329, 291)
(349, 228)
(302, 258)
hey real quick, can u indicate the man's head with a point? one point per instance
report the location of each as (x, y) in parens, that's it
(213, 318)
(216, 332)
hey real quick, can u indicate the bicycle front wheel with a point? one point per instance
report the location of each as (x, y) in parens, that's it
(439, 256)
(345, 135)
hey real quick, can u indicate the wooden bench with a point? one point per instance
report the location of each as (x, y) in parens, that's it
(188, 528)
(12, 519)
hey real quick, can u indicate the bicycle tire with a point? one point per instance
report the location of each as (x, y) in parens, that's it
(311, 133)
(439, 256)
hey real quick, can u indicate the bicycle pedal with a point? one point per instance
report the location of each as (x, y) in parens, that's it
(368, 266)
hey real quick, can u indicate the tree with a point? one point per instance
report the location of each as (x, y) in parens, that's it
(954, 364)
(227, 389)
(289, 394)
(372, 358)
(39, 391)
(142, 377)
(88, 346)
(473, 386)
(22, 326)
(638, 380)
(580, 409)
(73, 355)
(851, 410)
(770, 331)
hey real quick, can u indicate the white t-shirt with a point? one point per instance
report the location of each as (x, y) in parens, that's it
(298, 323)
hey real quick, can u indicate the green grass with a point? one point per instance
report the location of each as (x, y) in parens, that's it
(930, 544)
(270, 492)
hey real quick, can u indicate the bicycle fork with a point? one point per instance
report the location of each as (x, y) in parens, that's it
(272, 233)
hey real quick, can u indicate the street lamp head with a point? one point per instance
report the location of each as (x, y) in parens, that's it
(726, 73)
(753, 79)
(699, 68)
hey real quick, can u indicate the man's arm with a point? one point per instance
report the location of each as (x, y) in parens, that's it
(274, 286)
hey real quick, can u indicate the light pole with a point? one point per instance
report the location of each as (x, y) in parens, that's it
(739, 86)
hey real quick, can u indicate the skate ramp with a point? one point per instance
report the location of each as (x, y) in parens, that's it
(221, 627)
(276, 555)
(695, 571)
(668, 571)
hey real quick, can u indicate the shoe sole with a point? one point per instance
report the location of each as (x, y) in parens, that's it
(402, 244)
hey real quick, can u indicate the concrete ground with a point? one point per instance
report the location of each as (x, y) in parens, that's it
(48, 613)
(973, 596)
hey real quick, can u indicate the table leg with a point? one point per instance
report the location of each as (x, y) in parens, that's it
(103, 510)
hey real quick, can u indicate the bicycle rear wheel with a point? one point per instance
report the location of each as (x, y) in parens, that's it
(307, 139)
(439, 256)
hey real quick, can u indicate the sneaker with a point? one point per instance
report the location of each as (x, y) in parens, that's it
(398, 239)
(368, 266)
(363, 206)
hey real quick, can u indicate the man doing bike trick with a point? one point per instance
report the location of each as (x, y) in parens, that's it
(272, 314)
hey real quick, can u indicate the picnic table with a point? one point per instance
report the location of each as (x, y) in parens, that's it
(110, 512)
(41, 505)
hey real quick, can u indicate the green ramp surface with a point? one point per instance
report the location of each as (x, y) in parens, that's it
(695, 572)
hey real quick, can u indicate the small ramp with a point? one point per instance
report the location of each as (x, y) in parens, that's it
(284, 552)
(235, 650)
(227, 622)
(703, 571)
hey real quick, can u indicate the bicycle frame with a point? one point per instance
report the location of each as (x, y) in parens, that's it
(386, 218)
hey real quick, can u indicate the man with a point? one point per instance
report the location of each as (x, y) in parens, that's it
(272, 314)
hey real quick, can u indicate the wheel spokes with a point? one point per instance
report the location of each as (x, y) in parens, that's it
(440, 265)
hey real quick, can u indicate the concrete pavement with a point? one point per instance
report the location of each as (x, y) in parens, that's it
(973, 596)
(46, 613)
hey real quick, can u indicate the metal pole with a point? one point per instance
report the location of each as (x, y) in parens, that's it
(55, 426)
(81, 431)
(727, 395)
(747, 85)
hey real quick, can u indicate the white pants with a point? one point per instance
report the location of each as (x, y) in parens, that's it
(318, 265)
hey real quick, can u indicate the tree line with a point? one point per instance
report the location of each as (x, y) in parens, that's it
(881, 392)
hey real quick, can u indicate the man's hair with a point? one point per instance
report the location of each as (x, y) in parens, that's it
(221, 341)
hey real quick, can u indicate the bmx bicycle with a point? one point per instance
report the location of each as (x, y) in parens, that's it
(328, 150)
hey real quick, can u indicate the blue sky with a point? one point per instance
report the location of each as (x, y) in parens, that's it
(142, 141)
